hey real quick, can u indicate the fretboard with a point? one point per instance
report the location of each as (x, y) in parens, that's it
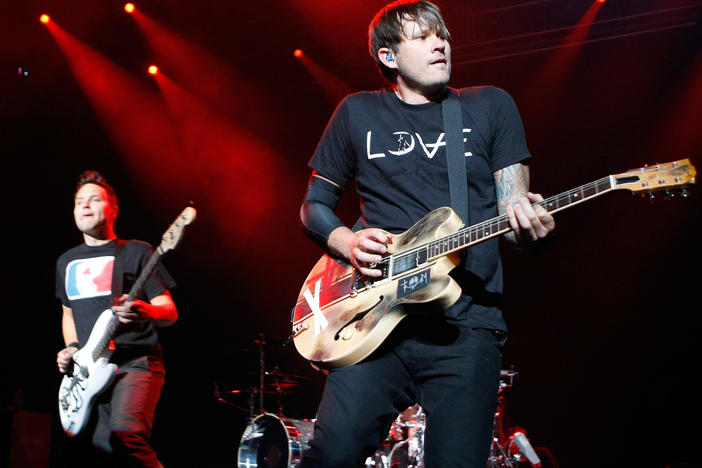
(145, 273)
(494, 227)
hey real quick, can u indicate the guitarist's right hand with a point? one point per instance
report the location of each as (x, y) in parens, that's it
(64, 359)
(361, 249)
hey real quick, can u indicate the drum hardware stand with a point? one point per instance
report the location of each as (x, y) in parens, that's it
(261, 342)
(502, 454)
(268, 382)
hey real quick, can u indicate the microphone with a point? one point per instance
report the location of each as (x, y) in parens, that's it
(520, 439)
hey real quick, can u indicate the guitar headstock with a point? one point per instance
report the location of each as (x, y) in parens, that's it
(668, 177)
(174, 234)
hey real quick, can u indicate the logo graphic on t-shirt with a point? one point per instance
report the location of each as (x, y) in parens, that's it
(406, 144)
(89, 277)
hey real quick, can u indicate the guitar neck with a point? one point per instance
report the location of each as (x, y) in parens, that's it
(477, 233)
(676, 175)
(499, 225)
(145, 273)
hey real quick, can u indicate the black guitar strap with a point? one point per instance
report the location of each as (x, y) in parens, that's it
(455, 155)
(456, 158)
(117, 276)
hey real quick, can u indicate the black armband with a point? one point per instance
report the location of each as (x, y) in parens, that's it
(73, 344)
(317, 211)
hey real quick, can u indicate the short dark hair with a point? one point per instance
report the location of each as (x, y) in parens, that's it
(386, 29)
(94, 177)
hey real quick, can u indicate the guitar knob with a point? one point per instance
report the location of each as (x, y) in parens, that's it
(346, 333)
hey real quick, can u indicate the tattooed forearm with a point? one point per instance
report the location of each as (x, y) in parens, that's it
(511, 184)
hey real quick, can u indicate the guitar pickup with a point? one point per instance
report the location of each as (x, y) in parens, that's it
(361, 281)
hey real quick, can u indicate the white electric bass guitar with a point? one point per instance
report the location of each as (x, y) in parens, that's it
(92, 371)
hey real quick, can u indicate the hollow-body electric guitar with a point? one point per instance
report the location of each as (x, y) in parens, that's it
(341, 315)
(92, 371)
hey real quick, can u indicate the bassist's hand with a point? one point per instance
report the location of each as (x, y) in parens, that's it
(64, 359)
(131, 311)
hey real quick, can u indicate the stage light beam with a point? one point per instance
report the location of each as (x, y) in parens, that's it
(44, 19)
(129, 7)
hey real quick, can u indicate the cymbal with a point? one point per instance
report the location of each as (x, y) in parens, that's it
(278, 373)
(267, 389)
(279, 383)
(275, 376)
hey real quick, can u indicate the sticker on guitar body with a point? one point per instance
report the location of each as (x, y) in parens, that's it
(413, 283)
(320, 321)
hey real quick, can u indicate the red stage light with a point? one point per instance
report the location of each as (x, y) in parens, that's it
(298, 53)
(153, 69)
(129, 7)
(44, 19)
(601, 1)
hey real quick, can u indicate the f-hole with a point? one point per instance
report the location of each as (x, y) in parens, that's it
(357, 317)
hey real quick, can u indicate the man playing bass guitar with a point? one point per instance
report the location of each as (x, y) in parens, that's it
(87, 279)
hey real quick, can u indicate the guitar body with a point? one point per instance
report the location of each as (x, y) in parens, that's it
(92, 375)
(336, 327)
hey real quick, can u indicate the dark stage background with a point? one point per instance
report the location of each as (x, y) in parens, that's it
(605, 325)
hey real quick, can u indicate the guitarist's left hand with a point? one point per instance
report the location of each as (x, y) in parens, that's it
(530, 222)
(161, 310)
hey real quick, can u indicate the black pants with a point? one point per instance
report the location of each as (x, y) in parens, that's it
(453, 373)
(125, 414)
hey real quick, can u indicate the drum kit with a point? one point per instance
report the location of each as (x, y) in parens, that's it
(276, 441)
(269, 440)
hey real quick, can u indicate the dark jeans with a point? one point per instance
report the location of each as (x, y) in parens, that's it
(453, 373)
(125, 414)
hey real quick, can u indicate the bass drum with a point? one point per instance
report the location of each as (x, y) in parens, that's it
(270, 441)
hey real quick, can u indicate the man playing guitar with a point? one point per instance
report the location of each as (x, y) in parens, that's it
(391, 143)
(86, 285)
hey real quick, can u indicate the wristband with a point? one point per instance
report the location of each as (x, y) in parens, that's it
(317, 211)
(73, 344)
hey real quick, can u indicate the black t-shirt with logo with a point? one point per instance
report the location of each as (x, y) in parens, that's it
(84, 283)
(396, 154)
